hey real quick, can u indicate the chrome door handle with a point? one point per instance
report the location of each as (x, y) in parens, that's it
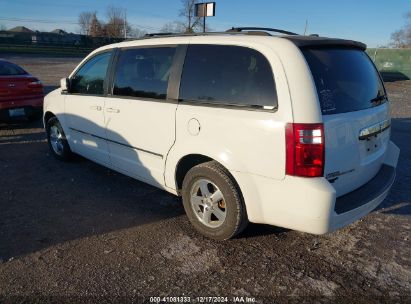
(98, 108)
(112, 110)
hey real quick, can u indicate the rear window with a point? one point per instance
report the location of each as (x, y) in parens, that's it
(346, 80)
(10, 69)
(228, 75)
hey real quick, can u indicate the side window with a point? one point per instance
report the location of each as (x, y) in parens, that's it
(91, 76)
(227, 75)
(143, 72)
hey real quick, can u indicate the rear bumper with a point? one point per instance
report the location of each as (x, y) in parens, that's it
(310, 204)
(32, 106)
(35, 102)
(354, 205)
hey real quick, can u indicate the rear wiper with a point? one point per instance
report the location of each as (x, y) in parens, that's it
(379, 98)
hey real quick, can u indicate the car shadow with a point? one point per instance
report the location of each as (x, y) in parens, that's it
(398, 200)
(256, 230)
(392, 76)
(44, 201)
(20, 130)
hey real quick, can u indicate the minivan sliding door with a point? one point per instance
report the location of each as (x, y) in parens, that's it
(140, 119)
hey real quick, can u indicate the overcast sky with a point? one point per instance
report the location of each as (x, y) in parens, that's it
(369, 21)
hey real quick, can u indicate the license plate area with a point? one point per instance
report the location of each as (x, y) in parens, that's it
(17, 112)
(372, 144)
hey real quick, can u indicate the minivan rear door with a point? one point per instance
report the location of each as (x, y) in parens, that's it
(355, 115)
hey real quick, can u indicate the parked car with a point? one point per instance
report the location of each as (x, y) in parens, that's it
(21, 94)
(286, 130)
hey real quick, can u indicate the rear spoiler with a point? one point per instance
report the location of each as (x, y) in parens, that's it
(313, 42)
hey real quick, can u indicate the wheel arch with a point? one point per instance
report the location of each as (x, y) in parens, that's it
(47, 115)
(185, 164)
(191, 160)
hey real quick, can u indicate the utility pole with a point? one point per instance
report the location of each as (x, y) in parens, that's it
(306, 27)
(125, 24)
(204, 18)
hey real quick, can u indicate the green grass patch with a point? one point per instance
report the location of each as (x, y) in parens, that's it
(45, 50)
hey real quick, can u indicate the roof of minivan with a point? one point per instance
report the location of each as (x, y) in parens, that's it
(298, 40)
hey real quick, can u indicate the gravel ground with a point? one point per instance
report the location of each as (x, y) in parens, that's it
(78, 232)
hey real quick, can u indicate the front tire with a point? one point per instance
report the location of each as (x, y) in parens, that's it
(57, 141)
(213, 202)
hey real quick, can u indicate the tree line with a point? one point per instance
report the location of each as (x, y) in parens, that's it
(117, 26)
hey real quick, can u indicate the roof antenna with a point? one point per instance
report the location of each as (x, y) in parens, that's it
(306, 27)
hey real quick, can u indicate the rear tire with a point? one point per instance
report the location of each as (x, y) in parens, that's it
(213, 201)
(57, 141)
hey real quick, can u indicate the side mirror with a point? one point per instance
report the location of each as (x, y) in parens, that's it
(65, 85)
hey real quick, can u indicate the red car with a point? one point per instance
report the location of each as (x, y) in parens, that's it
(21, 94)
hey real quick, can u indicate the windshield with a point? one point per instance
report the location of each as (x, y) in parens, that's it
(346, 80)
(10, 69)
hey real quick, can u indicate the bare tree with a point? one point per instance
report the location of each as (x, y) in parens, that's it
(96, 27)
(117, 25)
(135, 32)
(407, 29)
(84, 20)
(402, 38)
(191, 22)
(398, 39)
(173, 27)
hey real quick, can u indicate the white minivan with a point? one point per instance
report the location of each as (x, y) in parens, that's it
(286, 130)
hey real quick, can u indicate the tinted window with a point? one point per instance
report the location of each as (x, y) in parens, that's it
(144, 72)
(10, 69)
(228, 75)
(90, 78)
(346, 80)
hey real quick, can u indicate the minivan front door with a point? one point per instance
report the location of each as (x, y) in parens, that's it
(84, 108)
(140, 120)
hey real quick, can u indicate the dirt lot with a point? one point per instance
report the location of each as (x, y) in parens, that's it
(77, 231)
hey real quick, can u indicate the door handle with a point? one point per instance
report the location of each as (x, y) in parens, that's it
(112, 110)
(98, 108)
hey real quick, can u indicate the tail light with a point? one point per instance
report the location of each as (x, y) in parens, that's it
(305, 149)
(35, 85)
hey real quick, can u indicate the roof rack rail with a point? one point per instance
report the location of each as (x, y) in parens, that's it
(266, 29)
(158, 34)
(232, 31)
